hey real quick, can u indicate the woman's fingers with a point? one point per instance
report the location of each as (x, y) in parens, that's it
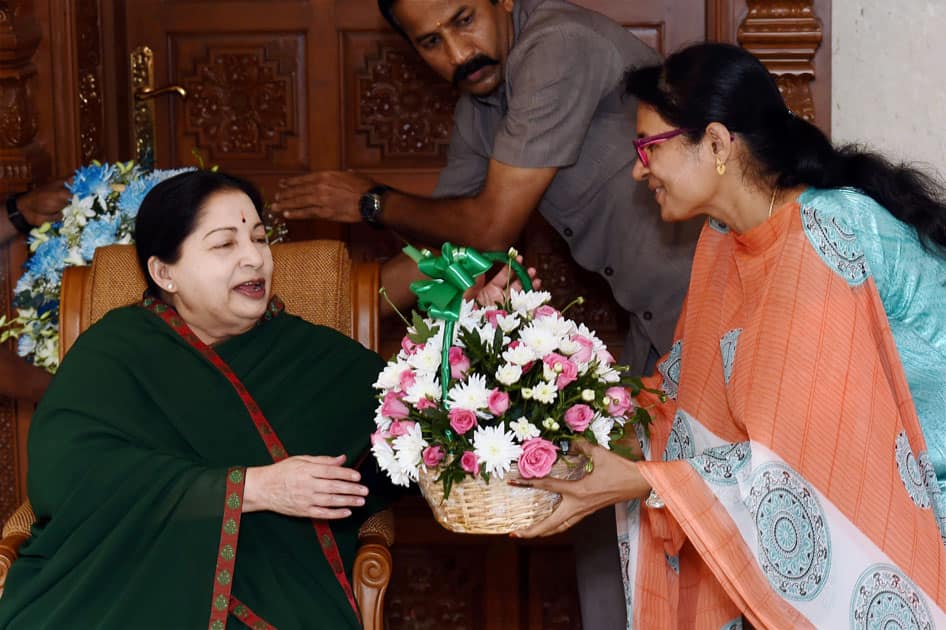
(328, 514)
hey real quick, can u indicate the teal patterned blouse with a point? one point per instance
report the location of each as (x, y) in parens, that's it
(911, 281)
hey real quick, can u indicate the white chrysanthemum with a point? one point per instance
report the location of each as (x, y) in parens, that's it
(569, 347)
(425, 386)
(508, 373)
(390, 376)
(589, 334)
(520, 355)
(495, 449)
(539, 338)
(408, 449)
(487, 332)
(558, 326)
(470, 315)
(425, 361)
(381, 421)
(508, 322)
(524, 430)
(524, 302)
(545, 392)
(607, 374)
(384, 455)
(601, 427)
(473, 394)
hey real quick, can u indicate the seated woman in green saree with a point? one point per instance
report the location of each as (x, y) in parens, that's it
(192, 450)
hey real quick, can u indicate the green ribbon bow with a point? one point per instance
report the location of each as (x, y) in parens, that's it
(451, 275)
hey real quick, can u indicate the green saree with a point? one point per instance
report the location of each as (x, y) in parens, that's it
(128, 464)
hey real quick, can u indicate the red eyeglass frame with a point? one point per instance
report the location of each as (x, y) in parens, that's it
(642, 143)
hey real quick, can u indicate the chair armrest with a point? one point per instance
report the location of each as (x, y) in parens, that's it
(365, 280)
(373, 567)
(15, 532)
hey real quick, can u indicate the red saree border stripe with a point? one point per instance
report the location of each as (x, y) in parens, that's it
(226, 550)
(243, 612)
(274, 445)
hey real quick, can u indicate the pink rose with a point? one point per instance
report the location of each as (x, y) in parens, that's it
(407, 380)
(470, 463)
(492, 316)
(462, 420)
(567, 373)
(587, 349)
(498, 402)
(409, 346)
(399, 428)
(537, 458)
(378, 436)
(620, 401)
(544, 311)
(433, 455)
(604, 357)
(578, 417)
(393, 407)
(459, 363)
(425, 403)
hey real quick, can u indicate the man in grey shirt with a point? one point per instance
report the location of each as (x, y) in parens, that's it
(543, 123)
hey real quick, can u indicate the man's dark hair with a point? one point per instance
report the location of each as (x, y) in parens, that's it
(387, 10)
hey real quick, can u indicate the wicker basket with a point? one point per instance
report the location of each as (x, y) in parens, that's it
(477, 507)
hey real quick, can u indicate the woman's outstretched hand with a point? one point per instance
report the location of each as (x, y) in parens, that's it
(304, 485)
(613, 479)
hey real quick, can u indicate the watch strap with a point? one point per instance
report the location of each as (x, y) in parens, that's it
(17, 220)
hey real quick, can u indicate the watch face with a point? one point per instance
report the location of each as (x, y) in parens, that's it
(370, 206)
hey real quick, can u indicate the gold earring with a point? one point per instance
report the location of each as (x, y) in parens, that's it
(720, 167)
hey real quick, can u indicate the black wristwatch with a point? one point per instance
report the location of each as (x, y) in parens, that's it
(370, 206)
(17, 220)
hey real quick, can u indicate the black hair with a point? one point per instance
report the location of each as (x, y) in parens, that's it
(710, 82)
(169, 213)
(387, 10)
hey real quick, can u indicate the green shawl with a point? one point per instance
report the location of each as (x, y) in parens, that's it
(128, 455)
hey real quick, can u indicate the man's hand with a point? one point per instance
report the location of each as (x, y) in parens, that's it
(331, 195)
(44, 203)
(495, 291)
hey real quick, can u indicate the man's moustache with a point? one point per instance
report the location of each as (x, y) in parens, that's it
(471, 66)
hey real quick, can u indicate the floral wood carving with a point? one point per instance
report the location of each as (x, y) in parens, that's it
(785, 35)
(436, 587)
(404, 109)
(240, 102)
(89, 64)
(23, 159)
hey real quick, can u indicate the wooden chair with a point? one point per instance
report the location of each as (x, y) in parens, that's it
(318, 282)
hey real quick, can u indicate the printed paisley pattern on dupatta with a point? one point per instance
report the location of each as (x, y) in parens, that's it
(797, 475)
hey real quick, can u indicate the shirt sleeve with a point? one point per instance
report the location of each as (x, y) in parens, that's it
(556, 81)
(465, 172)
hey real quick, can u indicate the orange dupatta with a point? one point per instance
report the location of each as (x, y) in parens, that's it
(791, 495)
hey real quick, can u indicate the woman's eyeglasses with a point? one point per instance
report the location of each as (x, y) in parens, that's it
(642, 143)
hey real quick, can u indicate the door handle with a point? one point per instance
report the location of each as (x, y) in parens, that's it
(144, 93)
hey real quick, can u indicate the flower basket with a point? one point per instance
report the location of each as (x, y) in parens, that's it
(477, 507)
(481, 395)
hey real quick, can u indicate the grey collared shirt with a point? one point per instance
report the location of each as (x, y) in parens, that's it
(562, 104)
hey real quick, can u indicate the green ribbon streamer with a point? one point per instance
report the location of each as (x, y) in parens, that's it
(451, 275)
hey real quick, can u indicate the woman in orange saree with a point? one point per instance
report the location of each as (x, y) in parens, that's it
(794, 471)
